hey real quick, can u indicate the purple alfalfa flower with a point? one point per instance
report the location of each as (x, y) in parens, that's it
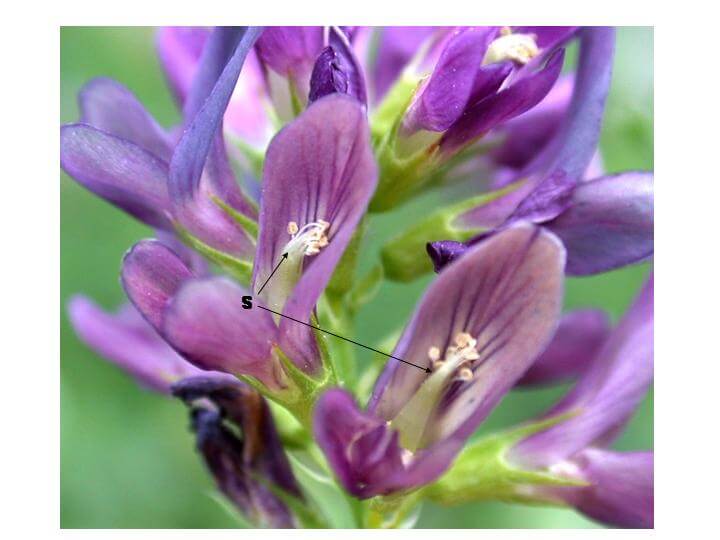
(619, 488)
(477, 329)
(480, 81)
(239, 443)
(318, 177)
(120, 153)
(604, 223)
(247, 116)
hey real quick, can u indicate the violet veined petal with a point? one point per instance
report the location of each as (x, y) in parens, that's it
(488, 80)
(191, 153)
(128, 340)
(442, 98)
(621, 491)
(608, 224)
(349, 64)
(365, 453)
(501, 107)
(579, 337)
(319, 168)
(574, 144)
(108, 106)
(247, 462)
(327, 76)
(206, 321)
(443, 252)
(118, 171)
(605, 396)
(151, 274)
(179, 49)
(506, 292)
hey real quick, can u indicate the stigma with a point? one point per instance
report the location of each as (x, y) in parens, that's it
(520, 48)
(307, 240)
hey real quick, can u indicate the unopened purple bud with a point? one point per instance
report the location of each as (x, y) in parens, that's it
(327, 76)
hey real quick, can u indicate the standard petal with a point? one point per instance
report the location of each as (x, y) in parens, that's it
(506, 292)
(207, 322)
(605, 396)
(109, 106)
(151, 274)
(319, 168)
(501, 107)
(128, 340)
(578, 339)
(621, 491)
(443, 97)
(118, 171)
(609, 223)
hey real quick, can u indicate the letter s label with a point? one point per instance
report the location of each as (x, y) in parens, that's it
(247, 302)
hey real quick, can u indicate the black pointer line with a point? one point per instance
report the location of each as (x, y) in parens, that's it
(426, 370)
(284, 256)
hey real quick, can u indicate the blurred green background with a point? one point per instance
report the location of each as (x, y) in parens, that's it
(127, 458)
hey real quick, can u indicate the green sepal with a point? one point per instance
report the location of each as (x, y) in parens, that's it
(483, 472)
(249, 225)
(399, 511)
(343, 276)
(405, 258)
(365, 289)
(240, 269)
(340, 354)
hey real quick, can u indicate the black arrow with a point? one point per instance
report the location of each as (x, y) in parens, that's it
(426, 370)
(284, 256)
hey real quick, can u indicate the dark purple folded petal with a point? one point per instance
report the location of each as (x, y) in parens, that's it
(247, 462)
(501, 107)
(128, 340)
(578, 339)
(109, 106)
(206, 321)
(574, 144)
(488, 80)
(151, 275)
(550, 198)
(605, 396)
(327, 76)
(205, 112)
(365, 453)
(117, 170)
(608, 224)
(444, 252)
(621, 491)
(318, 169)
(349, 64)
(179, 49)
(442, 98)
(506, 292)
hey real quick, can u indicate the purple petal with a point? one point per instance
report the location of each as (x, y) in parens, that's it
(573, 146)
(488, 80)
(319, 167)
(550, 198)
(621, 491)
(151, 275)
(501, 107)
(548, 37)
(609, 223)
(246, 459)
(444, 252)
(212, 99)
(607, 393)
(507, 292)
(117, 170)
(179, 49)
(578, 339)
(206, 321)
(365, 453)
(349, 64)
(327, 76)
(127, 340)
(109, 106)
(443, 97)
(527, 134)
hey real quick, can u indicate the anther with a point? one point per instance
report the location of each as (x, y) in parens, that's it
(465, 374)
(434, 354)
(292, 228)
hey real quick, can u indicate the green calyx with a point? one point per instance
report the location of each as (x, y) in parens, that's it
(482, 472)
